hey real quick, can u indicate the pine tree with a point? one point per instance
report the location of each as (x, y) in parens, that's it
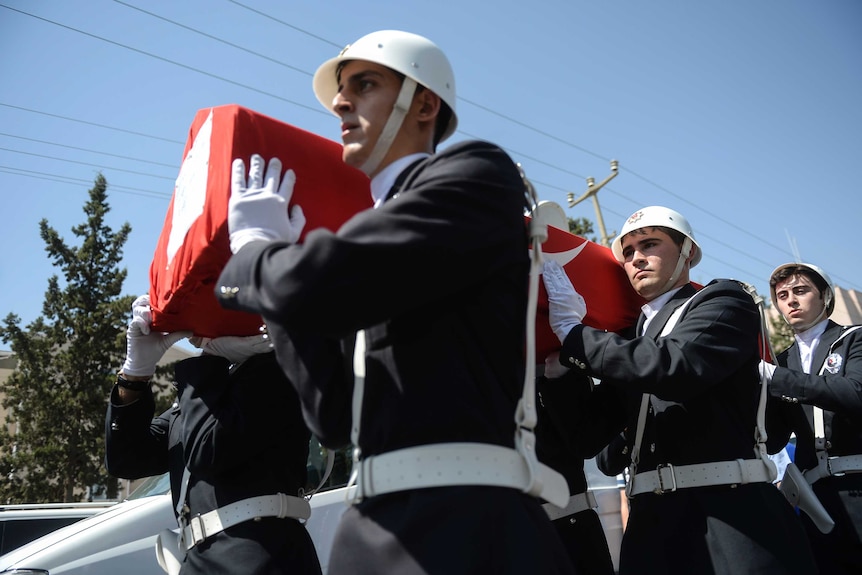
(52, 448)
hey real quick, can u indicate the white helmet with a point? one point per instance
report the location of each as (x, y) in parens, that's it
(828, 296)
(410, 54)
(653, 216)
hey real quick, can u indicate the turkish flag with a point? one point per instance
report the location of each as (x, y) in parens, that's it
(194, 246)
(612, 303)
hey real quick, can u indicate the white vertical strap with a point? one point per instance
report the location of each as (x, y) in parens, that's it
(544, 481)
(819, 425)
(526, 414)
(636, 448)
(760, 434)
(184, 490)
(358, 393)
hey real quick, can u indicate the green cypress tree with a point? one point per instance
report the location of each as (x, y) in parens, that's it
(52, 446)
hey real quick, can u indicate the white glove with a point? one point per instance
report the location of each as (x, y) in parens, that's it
(566, 307)
(145, 348)
(766, 370)
(553, 367)
(257, 210)
(234, 348)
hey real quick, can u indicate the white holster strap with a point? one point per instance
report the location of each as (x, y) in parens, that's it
(279, 505)
(448, 465)
(834, 466)
(577, 503)
(669, 478)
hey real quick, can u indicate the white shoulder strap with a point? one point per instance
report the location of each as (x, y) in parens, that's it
(760, 430)
(544, 481)
(642, 413)
(358, 393)
(819, 426)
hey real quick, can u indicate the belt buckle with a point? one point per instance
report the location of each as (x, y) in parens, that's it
(661, 489)
(198, 532)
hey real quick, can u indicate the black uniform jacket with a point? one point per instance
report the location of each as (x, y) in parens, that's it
(437, 277)
(705, 386)
(241, 435)
(839, 393)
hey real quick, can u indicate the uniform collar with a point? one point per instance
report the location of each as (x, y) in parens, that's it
(808, 336)
(651, 308)
(385, 179)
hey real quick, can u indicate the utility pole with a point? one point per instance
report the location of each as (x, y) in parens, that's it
(592, 191)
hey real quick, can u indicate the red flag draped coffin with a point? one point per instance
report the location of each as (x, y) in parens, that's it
(612, 304)
(193, 246)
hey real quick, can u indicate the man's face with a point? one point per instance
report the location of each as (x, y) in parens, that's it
(649, 259)
(799, 301)
(365, 98)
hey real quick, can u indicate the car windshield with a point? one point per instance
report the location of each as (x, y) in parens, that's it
(155, 485)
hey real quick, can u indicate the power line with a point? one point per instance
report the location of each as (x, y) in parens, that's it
(549, 136)
(217, 39)
(317, 110)
(283, 23)
(169, 61)
(87, 164)
(88, 150)
(92, 124)
(77, 181)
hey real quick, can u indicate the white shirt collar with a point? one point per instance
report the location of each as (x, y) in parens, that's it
(651, 308)
(385, 179)
(812, 333)
(807, 342)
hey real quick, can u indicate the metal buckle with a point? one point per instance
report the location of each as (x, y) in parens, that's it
(829, 466)
(661, 489)
(196, 526)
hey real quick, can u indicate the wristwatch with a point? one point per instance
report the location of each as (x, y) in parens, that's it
(132, 385)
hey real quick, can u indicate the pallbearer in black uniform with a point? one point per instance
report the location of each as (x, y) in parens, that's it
(817, 390)
(702, 500)
(435, 278)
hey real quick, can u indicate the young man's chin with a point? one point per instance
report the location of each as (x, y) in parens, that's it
(352, 155)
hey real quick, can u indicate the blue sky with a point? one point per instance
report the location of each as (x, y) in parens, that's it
(743, 115)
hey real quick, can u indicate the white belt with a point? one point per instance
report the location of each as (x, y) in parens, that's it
(834, 466)
(667, 478)
(447, 465)
(845, 464)
(577, 503)
(279, 505)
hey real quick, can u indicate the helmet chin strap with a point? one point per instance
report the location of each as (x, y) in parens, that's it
(393, 124)
(684, 252)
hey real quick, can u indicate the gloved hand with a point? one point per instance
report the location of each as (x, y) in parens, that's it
(144, 348)
(234, 348)
(766, 370)
(566, 307)
(553, 367)
(257, 210)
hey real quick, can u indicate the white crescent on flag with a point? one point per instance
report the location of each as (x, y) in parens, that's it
(564, 258)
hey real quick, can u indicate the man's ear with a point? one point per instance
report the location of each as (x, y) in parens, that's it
(429, 105)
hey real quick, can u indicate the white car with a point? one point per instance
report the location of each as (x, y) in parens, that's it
(121, 539)
(22, 523)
